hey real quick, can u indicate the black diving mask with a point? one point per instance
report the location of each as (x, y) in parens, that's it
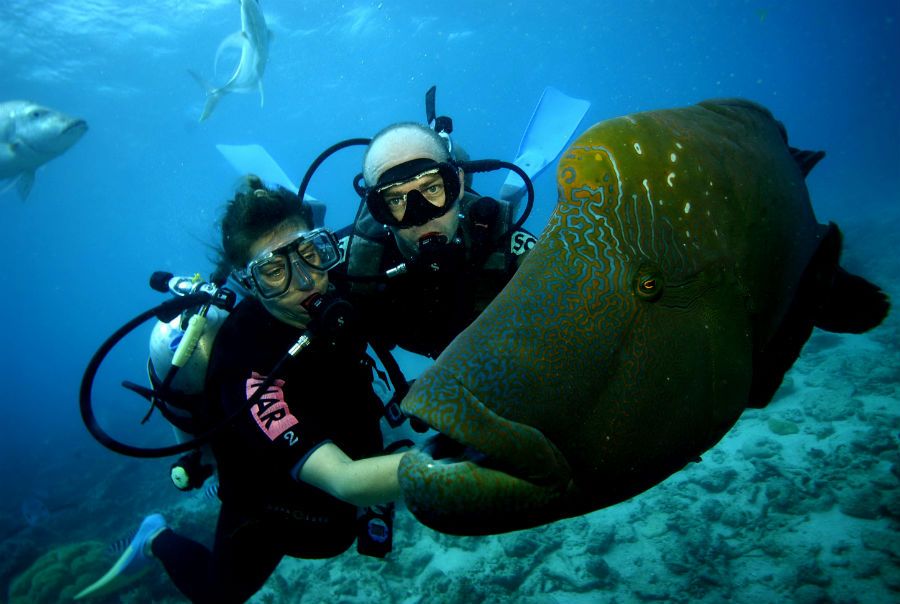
(414, 192)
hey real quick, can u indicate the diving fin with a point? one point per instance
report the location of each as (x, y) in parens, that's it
(254, 159)
(552, 124)
(113, 580)
(131, 565)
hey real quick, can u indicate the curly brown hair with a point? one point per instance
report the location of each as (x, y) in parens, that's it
(255, 211)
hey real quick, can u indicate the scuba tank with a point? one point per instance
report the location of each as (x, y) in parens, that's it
(164, 341)
(194, 301)
(180, 349)
(180, 344)
(186, 389)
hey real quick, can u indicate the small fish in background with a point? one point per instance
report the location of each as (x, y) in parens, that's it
(253, 40)
(115, 549)
(212, 491)
(30, 136)
(34, 511)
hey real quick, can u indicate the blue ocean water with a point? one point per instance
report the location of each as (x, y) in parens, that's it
(144, 187)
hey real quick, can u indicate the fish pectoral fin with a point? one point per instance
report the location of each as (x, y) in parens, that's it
(24, 184)
(844, 302)
(262, 98)
(8, 184)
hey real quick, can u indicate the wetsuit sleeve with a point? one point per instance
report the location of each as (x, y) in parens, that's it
(270, 425)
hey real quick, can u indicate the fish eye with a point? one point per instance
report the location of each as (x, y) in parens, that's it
(649, 285)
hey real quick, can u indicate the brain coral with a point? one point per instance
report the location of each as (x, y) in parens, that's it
(60, 574)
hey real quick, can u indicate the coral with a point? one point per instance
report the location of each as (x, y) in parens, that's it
(60, 574)
(782, 427)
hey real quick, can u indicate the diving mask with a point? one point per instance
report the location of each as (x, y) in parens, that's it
(435, 188)
(271, 272)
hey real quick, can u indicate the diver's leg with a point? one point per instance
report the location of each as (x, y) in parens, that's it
(243, 557)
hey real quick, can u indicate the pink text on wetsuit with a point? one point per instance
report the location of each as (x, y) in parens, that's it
(271, 413)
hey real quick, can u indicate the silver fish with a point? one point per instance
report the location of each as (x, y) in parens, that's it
(30, 136)
(253, 40)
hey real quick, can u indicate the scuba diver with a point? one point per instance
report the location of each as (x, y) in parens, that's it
(424, 257)
(456, 250)
(302, 469)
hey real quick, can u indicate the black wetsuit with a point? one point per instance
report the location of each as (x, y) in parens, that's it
(424, 309)
(323, 395)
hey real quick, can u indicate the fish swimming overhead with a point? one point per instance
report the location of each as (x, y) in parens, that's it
(30, 136)
(676, 282)
(253, 40)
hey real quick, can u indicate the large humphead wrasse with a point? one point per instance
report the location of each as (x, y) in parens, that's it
(675, 283)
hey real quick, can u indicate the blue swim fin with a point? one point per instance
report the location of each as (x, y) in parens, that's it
(254, 159)
(131, 565)
(552, 124)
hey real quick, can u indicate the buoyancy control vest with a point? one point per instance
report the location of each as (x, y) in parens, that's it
(483, 230)
(430, 308)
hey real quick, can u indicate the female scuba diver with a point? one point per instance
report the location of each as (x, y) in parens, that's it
(296, 468)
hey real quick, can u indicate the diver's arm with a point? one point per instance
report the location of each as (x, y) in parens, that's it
(364, 482)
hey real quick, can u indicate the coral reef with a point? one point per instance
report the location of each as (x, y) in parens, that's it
(59, 574)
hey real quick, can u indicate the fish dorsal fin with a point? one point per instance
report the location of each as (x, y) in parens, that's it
(806, 160)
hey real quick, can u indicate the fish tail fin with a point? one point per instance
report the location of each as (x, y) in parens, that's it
(213, 95)
(850, 303)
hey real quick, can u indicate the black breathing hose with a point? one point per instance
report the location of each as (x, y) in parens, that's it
(489, 165)
(301, 192)
(166, 312)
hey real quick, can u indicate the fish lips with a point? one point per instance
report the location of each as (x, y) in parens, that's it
(472, 432)
(76, 129)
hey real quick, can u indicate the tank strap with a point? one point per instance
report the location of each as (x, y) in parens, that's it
(363, 249)
(485, 227)
(363, 259)
(182, 410)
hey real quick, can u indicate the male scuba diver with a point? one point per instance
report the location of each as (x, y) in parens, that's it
(445, 251)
